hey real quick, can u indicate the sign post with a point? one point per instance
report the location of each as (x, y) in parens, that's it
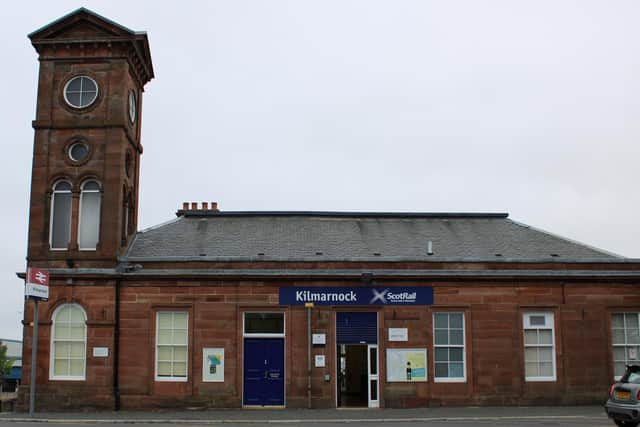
(37, 289)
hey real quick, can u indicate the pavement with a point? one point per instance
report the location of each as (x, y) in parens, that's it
(297, 416)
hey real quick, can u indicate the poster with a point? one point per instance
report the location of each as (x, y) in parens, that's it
(406, 364)
(213, 364)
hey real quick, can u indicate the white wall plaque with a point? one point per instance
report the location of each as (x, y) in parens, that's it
(398, 334)
(319, 360)
(100, 351)
(213, 365)
(319, 339)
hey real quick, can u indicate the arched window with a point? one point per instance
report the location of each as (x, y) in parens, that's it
(60, 231)
(68, 343)
(89, 223)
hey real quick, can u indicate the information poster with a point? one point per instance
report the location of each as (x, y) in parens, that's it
(213, 365)
(406, 364)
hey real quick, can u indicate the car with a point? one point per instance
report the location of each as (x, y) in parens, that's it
(623, 406)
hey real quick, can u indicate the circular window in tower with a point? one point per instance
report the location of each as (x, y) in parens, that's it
(80, 92)
(132, 107)
(78, 152)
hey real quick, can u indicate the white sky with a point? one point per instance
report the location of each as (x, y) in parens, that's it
(527, 107)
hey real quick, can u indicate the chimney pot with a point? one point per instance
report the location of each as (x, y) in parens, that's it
(194, 206)
(205, 206)
(214, 206)
(185, 206)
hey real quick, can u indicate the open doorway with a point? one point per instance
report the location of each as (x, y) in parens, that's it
(352, 376)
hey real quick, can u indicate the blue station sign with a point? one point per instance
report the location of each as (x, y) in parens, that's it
(357, 296)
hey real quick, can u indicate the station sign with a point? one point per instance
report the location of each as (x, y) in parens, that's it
(37, 284)
(363, 296)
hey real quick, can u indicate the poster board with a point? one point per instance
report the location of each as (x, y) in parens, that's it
(213, 365)
(406, 364)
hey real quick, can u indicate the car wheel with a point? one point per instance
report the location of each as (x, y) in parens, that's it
(625, 423)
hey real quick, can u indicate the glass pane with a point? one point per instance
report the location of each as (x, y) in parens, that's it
(632, 353)
(442, 370)
(77, 367)
(631, 320)
(164, 337)
(456, 370)
(164, 369)
(74, 84)
(164, 353)
(77, 349)
(180, 354)
(76, 332)
(179, 337)
(264, 323)
(531, 369)
(537, 320)
(78, 152)
(619, 353)
(89, 220)
(61, 330)
(164, 320)
(545, 336)
(441, 320)
(89, 185)
(74, 98)
(61, 227)
(455, 354)
(618, 336)
(455, 320)
(62, 186)
(456, 337)
(75, 315)
(441, 337)
(546, 369)
(545, 354)
(374, 389)
(619, 368)
(373, 361)
(531, 355)
(530, 337)
(441, 355)
(61, 367)
(62, 350)
(180, 369)
(86, 98)
(632, 336)
(180, 321)
(617, 320)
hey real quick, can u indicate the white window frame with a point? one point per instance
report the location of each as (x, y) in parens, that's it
(52, 347)
(626, 345)
(264, 335)
(549, 323)
(171, 379)
(80, 212)
(66, 87)
(463, 346)
(53, 209)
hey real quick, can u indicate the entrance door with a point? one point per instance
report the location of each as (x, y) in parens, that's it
(263, 372)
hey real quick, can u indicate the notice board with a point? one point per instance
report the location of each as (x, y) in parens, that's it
(406, 364)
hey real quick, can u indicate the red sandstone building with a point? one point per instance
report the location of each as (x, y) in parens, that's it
(286, 309)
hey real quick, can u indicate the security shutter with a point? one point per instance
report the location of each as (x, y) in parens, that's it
(357, 328)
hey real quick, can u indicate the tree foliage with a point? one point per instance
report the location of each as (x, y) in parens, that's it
(5, 364)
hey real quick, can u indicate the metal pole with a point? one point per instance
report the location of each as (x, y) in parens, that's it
(34, 352)
(308, 357)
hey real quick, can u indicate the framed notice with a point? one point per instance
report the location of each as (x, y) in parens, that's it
(213, 365)
(406, 364)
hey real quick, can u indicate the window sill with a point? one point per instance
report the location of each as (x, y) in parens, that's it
(172, 379)
(540, 379)
(449, 380)
(67, 378)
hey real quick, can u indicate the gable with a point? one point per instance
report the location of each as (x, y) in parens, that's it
(81, 23)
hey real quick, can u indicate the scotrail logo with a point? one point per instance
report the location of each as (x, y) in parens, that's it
(386, 296)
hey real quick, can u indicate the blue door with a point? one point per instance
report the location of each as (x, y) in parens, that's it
(263, 372)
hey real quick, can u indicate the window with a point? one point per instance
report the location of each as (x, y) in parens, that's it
(448, 343)
(626, 340)
(60, 231)
(78, 151)
(89, 223)
(539, 347)
(172, 342)
(132, 106)
(80, 92)
(68, 343)
(270, 324)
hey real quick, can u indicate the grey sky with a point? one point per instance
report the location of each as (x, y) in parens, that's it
(528, 107)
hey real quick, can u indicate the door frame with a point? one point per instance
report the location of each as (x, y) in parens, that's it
(284, 355)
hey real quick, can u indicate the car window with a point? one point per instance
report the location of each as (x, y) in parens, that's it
(634, 378)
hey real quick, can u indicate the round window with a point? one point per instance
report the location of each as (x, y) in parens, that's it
(80, 92)
(78, 152)
(132, 106)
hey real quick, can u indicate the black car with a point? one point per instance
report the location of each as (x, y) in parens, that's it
(623, 406)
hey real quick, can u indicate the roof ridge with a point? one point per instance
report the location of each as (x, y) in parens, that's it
(344, 214)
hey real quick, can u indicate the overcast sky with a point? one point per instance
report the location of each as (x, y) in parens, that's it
(526, 107)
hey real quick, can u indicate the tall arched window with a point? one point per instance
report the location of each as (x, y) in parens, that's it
(89, 222)
(60, 231)
(68, 343)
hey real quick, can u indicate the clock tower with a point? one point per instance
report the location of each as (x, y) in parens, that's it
(87, 148)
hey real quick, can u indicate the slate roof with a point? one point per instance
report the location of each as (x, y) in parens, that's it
(324, 236)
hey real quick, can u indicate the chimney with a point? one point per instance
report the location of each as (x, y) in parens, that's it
(214, 206)
(194, 206)
(205, 206)
(198, 208)
(185, 206)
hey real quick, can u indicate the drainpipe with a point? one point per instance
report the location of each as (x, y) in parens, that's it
(309, 306)
(116, 349)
